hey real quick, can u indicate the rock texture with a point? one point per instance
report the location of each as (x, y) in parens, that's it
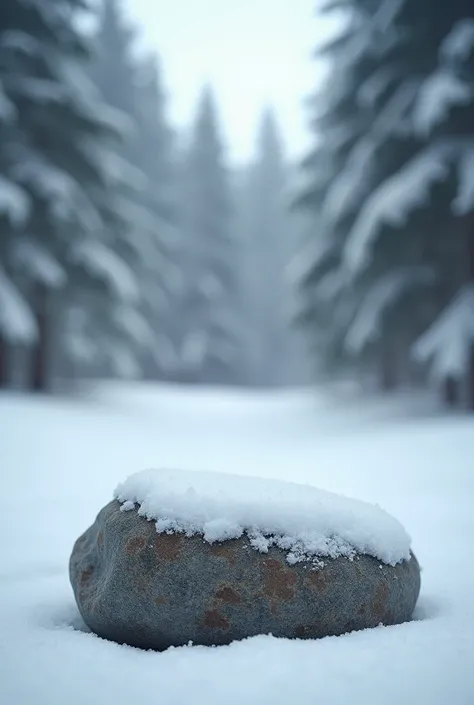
(153, 591)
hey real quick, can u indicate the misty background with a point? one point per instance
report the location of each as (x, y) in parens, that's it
(257, 194)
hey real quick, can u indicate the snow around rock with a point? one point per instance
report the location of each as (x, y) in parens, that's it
(306, 522)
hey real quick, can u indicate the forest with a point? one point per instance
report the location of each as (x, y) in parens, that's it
(132, 250)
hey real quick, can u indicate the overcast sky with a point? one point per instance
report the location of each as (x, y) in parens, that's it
(253, 51)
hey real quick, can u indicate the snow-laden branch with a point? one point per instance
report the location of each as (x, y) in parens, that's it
(439, 93)
(104, 263)
(393, 201)
(447, 343)
(17, 323)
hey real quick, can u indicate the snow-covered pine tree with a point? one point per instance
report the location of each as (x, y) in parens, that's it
(132, 86)
(394, 188)
(404, 251)
(209, 306)
(336, 175)
(266, 228)
(59, 128)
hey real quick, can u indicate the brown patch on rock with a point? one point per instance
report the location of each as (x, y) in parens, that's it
(100, 539)
(278, 581)
(317, 580)
(168, 546)
(300, 631)
(160, 601)
(227, 594)
(85, 576)
(135, 544)
(215, 620)
(379, 607)
(223, 550)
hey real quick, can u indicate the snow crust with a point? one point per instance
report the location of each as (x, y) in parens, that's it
(306, 522)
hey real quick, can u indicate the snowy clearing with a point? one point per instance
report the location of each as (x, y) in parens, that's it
(62, 458)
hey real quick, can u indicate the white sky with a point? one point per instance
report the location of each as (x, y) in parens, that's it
(253, 51)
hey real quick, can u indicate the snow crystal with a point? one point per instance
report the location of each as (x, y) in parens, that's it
(103, 262)
(16, 320)
(459, 43)
(392, 202)
(13, 201)
(437, 95)
(448, 341)
(464, 201)
(304, 521)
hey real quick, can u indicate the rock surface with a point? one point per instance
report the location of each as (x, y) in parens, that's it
(135, 586)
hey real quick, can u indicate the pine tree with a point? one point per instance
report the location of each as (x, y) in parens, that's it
(210, 302)
(266, 228)
(399, 253)
(132, 86)
(59, 150)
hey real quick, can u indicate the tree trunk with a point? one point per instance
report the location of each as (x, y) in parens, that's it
(39, 373)
(3, 363)
(470, 371)
(389, 373)
(451, 392)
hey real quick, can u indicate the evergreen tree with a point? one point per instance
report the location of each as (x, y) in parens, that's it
(399, 253)
(209, 307)
(61, 190)
(132, 85)
(267, 231)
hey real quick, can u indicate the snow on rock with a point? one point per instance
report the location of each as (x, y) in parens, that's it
(392, 202)
(303, 521)
(448, 341)
(441, 92)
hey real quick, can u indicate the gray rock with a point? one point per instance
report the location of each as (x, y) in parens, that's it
(153, 591)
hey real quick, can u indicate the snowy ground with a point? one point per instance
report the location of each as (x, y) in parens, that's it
(61, 461)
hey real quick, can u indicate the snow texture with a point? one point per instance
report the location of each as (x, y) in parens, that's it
(464, 201)
(448, 342)
(392, 202)
(14, 202)
(459, 44)
(441, 92)
(17, 323)
(102, 262)
(305, 522)
(61, 457)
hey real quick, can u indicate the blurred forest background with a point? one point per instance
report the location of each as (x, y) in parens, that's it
(129, 249)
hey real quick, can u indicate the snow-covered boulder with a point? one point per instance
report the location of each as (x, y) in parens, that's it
(210, 558)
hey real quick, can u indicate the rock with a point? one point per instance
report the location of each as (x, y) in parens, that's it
(135, 586)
